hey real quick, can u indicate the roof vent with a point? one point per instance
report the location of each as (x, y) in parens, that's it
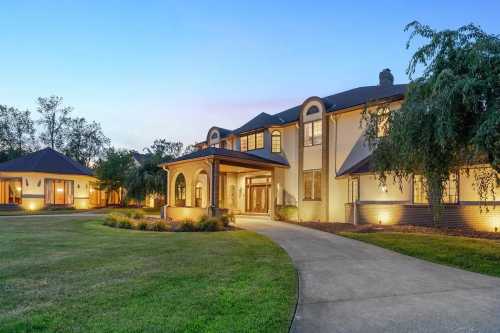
(385, 78)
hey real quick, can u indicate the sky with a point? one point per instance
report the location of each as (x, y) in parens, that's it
(172, 69)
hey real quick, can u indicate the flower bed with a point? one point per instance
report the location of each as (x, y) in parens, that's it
(137, 221)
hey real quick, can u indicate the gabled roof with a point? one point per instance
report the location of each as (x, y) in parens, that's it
(46, 160)
(226, 153)
(140, 158)
(359, 152)
(333, 103)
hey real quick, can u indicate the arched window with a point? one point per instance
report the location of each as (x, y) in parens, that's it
(312, 110)
(180, 190)
(214, 136)
(276, 142)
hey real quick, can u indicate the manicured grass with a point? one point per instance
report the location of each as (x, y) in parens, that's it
(149, 211)
(71, 274)
(472, 254)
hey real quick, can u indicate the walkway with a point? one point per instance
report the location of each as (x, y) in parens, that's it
(350, 286)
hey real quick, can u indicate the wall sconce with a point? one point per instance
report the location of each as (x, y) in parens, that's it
(26, 182)
(39, 183)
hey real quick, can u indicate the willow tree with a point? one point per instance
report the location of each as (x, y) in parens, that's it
(450, 118)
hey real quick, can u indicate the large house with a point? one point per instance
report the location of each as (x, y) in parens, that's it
(314, 157)
(46, 179)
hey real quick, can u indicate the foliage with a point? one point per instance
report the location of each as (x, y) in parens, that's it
(17, 133)
(54, 120)
(287, 213)
(148, 178)
(113, 168)
(451, 114)
(85, 141)
(211, 224)
(187, 226)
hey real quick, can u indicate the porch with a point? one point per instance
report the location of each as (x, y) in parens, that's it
(215, 181)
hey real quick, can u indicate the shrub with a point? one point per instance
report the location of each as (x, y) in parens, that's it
(110, 221)
(226, 219)
(162, 226)
(287, 213)
(134, 214)
(212, 224)
(141, 225)
(187, 226)
(125, 223)
(203, 218)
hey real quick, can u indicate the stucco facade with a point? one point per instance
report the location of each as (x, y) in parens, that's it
(321, 143)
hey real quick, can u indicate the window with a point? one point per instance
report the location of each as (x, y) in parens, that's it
(353, 195)
(197, 195)
(312, 185)
(214, 136)
(180, 191)
(382, 119)
(11, 191)
(450, 193)
(312, 110)
(276, 142)
(259, 140)
(59, 192)
(313, 133)
(252, 141)
(243, 143)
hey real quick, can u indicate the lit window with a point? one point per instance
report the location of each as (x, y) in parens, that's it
(243, 143)
(276, 142)
(251, 142)
(313, 133)
(180, 191)
(259, 140)
(312, 185)
(59, 192)
(11, 191)
(450, 190)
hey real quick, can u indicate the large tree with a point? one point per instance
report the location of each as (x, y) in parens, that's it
(450, 119)
(85, 141)
(54, 120)
(148, 178)
(113, 168)
(17, 133)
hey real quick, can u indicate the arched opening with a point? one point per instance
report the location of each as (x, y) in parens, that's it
(180, 191)
(201, 190)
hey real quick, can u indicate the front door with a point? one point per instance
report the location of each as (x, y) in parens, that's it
(258, 199)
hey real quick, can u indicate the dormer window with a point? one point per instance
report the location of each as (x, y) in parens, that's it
(276, 142)
(312, 110)
(252, 141)
(214, 136)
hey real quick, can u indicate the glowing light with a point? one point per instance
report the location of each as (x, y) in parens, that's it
(59, 190)
(32, 206)
(384, 217)
(18, 189)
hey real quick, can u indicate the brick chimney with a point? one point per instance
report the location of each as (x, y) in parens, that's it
(385, 78)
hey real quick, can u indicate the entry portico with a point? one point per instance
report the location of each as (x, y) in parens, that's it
(214, 181)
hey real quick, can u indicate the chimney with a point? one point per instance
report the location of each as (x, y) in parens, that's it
(385, 78)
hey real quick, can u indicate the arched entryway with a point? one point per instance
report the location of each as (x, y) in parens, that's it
(201, 193)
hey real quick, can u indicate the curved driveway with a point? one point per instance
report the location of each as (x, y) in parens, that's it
(350, 286)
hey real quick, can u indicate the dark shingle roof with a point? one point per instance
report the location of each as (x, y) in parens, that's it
(364, 166)
(333, 103)
(222, 152)
(46, 160)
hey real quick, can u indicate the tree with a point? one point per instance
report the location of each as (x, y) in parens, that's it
(450, 119)
(54, 120)
(113, 169)
(189, 149)
(149, 178)
(85, 142)
(17, 133)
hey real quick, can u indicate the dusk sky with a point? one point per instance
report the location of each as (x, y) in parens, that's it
(164, 69)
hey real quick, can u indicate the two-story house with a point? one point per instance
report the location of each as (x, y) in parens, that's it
(312, 156)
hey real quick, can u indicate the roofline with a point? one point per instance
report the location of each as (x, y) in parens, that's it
(50, 173)
(227, 158)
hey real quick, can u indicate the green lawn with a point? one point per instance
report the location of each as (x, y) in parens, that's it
(68, 274)
(151, 211)
(472, 254)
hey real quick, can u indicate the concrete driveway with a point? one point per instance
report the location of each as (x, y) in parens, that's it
(350, 286)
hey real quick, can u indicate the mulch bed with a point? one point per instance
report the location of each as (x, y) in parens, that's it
(335, 228)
